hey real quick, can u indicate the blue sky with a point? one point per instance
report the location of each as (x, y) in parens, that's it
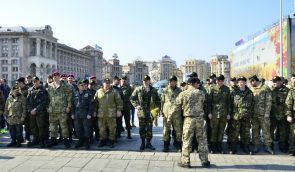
(150, 29)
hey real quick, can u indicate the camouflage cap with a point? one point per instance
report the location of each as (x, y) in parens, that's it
(193, 74)
(254, 78)
(276, 79)
(173, 78)
(242, 79)
(220, 78)
(147, 78)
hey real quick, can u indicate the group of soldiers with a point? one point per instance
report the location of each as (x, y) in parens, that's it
(63, 107)
(196, 116)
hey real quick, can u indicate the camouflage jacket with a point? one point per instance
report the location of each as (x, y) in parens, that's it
(126, 91)
(15, 109)
(145, 100)
(24, 91)
(262, 100)
(82, 104)
(60, 97)
(38, 98)
(191, 101)
(290, 102)
(242, 103)
(107, 103)
(232, 89)
(219, 101)
(278, 106)
(168, 98)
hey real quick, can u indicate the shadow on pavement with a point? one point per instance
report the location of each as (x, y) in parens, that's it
(6, 157)
(276, 167)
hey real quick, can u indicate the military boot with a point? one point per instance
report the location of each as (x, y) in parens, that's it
(247, 149)
(233, 149)
(206, 164)
(67, 143)
(213, 147)
(34, 142)
(149, 145)
(42, 143)
(18, 143)
(256, 149)
(129, 134)
(142, 146)
(102, 143)
(12, 143)
(52, 142)
(166, 146)
(179, 146)
(219, 147)
(268, 149)
(80, 143)
(112, 143)
(87, 143)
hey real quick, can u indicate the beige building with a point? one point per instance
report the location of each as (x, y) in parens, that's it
(135, 71)
(178, 73)
(167, 65)
(35, 51)
(220, 64)
(112, 67)
(200, 66)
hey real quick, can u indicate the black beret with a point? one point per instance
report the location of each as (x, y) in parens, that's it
(106, 80)
(35, 78)
(233, 79)
(254, 77)
(276, 78)
(193, 74)
(242, 79)
(124, 78)
(147, 78)
(173, 78)
(193, 80)
(220, 77)
(21, 79)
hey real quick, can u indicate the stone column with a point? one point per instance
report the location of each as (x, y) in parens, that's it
(44, 48)
(50, 50)
(38, 46)
(55, 51)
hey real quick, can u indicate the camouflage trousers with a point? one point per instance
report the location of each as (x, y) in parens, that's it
(264, 125)
(292, 137)
(107, 124)
(240, 128)
(60, 119)
(82, 127)
(281, 127)
(145, 128)
(39, 126)
(191, 126)
(217, 129)
(177, 124)
(16, 132)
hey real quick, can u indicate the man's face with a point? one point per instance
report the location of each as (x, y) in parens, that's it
(293, 80)
(146, 82)
(70, 79)
(106, 85)
(81, 87)
(253, 83)
(172, 83)
(277, 84)
(116, 82)
(19, 84)
(232, 83)
(56, 78)
(15, 92)
(241, 84)
(28, 80)
(219, 82)
(36, 83)
(123, 82)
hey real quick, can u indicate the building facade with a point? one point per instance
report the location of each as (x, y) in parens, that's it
(35, 51)
(167, 65)
(220, 64)
(135, 72)
(200, 66)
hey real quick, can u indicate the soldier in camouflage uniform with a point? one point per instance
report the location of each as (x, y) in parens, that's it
(116, 86)
(23, 88)
(233, 87)
(37, 103)
(290, 103)
(108, 105)
(94, 120)
(168, 98)
(242, 103)
(127, 91)
(82, 111)
(261, 115)
(60, 96)
(191, 101)
(145, 98)
(15, 112)
(278, 117)
(218, 109)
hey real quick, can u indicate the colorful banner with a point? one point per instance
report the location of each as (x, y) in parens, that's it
(261, 55)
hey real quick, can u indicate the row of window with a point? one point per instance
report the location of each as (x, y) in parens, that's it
(6, 40)
(14, 62)
(5, 69)
(13, 54)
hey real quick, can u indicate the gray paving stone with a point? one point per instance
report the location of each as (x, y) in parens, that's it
(78, 162)
(96, 164)
(69, 169)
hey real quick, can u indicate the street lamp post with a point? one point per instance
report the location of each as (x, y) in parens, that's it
(281, 38)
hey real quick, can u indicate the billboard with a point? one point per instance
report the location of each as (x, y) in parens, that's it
(261, 54)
